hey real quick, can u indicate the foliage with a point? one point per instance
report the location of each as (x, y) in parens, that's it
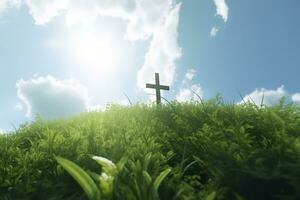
(195, 150)
(82, 177)
(144, 186)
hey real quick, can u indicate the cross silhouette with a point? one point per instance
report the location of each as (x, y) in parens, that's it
(157, 87)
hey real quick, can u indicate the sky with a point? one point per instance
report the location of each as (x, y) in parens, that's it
(59, 58)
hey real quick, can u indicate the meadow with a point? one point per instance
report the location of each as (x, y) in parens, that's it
(179, 151)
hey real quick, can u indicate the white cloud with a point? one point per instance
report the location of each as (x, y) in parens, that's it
(153, 20)
(19, 107)
(188, 77)
(296, 97)
(214, 31)
(190, 74)
(222, 9)
(187, 91)
(141, 16)
(144, 19)
(96, 108)
(270, 97)
(187, 94)
(52, 98)
(163, 52)
(44, 11)
(4, 4)
(147, 18)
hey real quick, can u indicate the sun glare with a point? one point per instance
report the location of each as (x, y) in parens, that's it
(95, 53)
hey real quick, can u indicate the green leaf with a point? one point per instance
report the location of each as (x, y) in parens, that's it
(147, 161)
(211, 196)
(147, 177)
(106, 185)
(160, 178)
(94, 176)
(107, 165)
(82, 178)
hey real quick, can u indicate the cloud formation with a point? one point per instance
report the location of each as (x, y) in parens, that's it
(189, 93)
(214, 31)
(269, 97)
(163, 52)
(296, 97)
(189, 75)
(222, 9)
(4, 4)
(141, 16)
(153, 20)
(52, 98)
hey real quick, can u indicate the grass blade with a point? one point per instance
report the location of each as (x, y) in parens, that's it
(82, 178)
(107, 165)
(160, 178)
(211, 196)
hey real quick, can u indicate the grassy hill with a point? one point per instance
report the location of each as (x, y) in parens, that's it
(213, 151)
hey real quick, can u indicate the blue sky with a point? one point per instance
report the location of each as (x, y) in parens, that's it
(59, 58)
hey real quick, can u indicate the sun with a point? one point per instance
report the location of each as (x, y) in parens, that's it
(94, 52)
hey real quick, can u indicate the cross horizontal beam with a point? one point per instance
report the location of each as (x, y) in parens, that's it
(157, 88)
(161, 87)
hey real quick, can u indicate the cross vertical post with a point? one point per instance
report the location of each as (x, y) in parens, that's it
(157, 88)
(158, 97)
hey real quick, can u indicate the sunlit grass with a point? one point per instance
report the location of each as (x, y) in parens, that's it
(197, 150)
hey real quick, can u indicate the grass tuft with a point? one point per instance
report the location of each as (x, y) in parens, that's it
(189, 151)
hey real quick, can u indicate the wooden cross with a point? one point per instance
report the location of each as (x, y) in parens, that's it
(157, 87)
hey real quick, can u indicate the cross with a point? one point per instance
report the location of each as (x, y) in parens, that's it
(157, 87)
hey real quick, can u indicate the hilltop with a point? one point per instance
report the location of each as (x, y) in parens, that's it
(214, 151)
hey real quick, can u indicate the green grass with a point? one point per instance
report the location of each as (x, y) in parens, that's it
(209, 150)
